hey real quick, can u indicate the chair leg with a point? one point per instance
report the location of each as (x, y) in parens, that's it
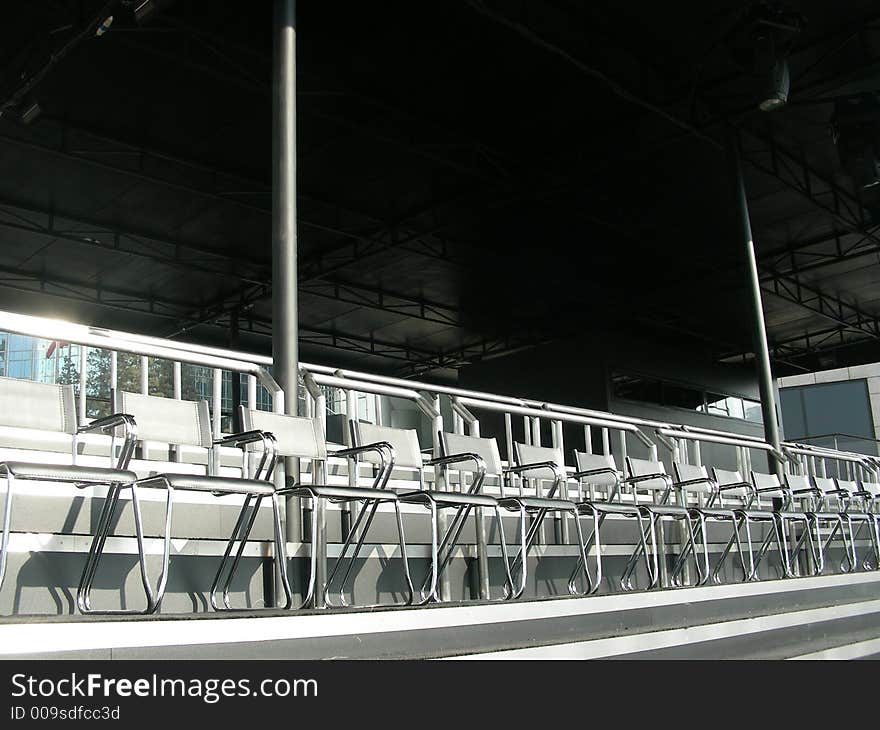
(406, 574)
(433, 576)
(281, 551)
(369, 506)
(96, 551)
(572, 587)
(819, 551)
(240, 532)
(652, 567)
(450, 540)
(7, 521)
(520, 560)
(504, 556)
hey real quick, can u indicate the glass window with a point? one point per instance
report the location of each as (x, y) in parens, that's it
(752, 411)
(635, 387)
(626, 386)
(827, 408)
(680, 396)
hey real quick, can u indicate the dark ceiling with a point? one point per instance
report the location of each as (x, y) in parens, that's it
(474, 178)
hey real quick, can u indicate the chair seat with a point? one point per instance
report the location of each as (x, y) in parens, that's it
(218, 485)
(755, 514)
(614, 508)
(68, 473)
(828, 515)
(548, 503)
(340, 493)
(668, 510)
(449, 498)
(716, 513)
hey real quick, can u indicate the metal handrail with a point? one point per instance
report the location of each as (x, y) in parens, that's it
(689, 435)
(256, 365)
(60, 330)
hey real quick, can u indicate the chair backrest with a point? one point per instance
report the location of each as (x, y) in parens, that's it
(873, 488)
(769, 482)
(826, 485)
(691, 472)
(586, 462)
(849, 485)
(798, 482)
(182, 422)
(726, 477)
(485, 448)
(294, 436)
(43, 406)
(526, 454)
(644, 467)
(405, 441)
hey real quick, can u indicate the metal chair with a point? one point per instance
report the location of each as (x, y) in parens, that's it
(769, 486)
(304, 438)
(46, 407)
(650, 475)
(480, 458)
(851, 493)
(731, 485)
(694, 479)
(868, 495)
(184, 423)
(542, 464)
(471, 455)
(820, 491)
(600, 470)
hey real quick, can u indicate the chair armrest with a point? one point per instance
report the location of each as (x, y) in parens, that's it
(736, 485)
(242, 439)
(648, 477)
(270, 449)
(458, 459)
(596, 472)
(129, 427)
(108, 422)
(386, 459)
(693, 482)
(382, 448)
(552, 465)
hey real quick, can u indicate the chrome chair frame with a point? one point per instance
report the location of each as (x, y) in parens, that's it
(704, 515)
(599, 510)
(539, 506)
(218, 486)
(463, 503)
(779, 518)
(848, 497)
(371, 497)
(116, 477)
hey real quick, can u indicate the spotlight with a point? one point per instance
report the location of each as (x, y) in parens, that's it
(761, 43)
(855, 129)
(143, 11)
(30, 110)
(104, 27)
(776, 88)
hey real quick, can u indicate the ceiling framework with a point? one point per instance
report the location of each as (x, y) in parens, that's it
(438, 232)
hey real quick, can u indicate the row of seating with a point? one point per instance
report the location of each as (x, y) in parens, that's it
(537, 485)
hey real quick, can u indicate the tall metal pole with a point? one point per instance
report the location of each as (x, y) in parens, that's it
(285, 353)
(759, 331)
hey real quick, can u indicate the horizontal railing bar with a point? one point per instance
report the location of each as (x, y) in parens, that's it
(689, 435)
(364, 387)
(550, 415)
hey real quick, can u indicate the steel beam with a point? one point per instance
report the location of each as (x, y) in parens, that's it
(759, 331)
